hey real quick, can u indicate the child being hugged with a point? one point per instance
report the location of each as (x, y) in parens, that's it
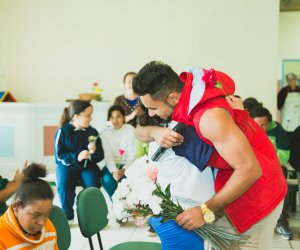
(78, 149)
(25, 224)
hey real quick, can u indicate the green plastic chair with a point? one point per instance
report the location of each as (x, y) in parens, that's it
(92, 218)
(137, 245)
(63, 232)
(92, 213)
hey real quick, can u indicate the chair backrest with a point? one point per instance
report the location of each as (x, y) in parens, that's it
(137, 245)
(60, 222)
(91, 211)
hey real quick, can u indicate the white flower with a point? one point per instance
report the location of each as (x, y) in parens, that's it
(134, 191)
(137, 168)
(132, 199)
(154, 204)
(123, 189)
(112, 220)
(143, 188)
(118, 209)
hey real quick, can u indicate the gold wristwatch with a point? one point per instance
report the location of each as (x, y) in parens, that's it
(208, 215)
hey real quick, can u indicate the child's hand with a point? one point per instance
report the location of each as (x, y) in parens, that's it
(19, 175)
(83, 155)
(118, 174)
(92, 147)
(139, 111)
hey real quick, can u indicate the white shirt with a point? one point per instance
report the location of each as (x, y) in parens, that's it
(189, 186)
(115, 139)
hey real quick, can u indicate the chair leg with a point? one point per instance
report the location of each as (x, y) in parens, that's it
(91, 243)
(99, 240)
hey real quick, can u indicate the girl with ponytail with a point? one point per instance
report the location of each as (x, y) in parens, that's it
(78, 149)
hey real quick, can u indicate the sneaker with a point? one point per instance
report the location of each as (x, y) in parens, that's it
(70, 222)
(285, 232)
(151, 232)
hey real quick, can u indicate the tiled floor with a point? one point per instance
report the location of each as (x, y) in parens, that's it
(129, 232)
(280, 244)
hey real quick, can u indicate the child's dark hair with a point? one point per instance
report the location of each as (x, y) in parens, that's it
(33, 188)
(129, 73)
(115, 108)
(260, 112)
(250, 103)
(75, 107)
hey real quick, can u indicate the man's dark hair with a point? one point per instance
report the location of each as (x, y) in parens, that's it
(158, 80)
(260, 112)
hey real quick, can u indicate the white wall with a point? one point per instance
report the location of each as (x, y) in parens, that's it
(51, 50)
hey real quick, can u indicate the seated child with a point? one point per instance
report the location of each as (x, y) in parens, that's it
(25, 225)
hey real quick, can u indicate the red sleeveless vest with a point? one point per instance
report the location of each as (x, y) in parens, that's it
(270, 189)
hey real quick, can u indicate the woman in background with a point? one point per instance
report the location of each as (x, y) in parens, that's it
(78, 149)
(119, 148)
(129, 100)
(288, 102)
(25, 225)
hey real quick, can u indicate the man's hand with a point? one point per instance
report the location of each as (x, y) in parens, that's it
(191, 218)
(167, 137)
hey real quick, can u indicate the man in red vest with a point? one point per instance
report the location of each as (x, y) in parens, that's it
(250, 185)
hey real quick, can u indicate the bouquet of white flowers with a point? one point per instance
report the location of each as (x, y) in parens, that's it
(140, 195)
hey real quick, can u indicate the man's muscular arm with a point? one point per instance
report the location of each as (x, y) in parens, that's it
(217, 126)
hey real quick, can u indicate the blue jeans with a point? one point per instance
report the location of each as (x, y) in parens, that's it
(175, 237)
(67, 179)
(108, 182)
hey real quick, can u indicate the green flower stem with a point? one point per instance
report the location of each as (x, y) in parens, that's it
(218, 239)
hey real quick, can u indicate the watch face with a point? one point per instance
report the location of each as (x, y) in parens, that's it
(209, 216)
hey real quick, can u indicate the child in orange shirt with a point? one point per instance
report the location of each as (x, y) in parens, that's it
(25, 225)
